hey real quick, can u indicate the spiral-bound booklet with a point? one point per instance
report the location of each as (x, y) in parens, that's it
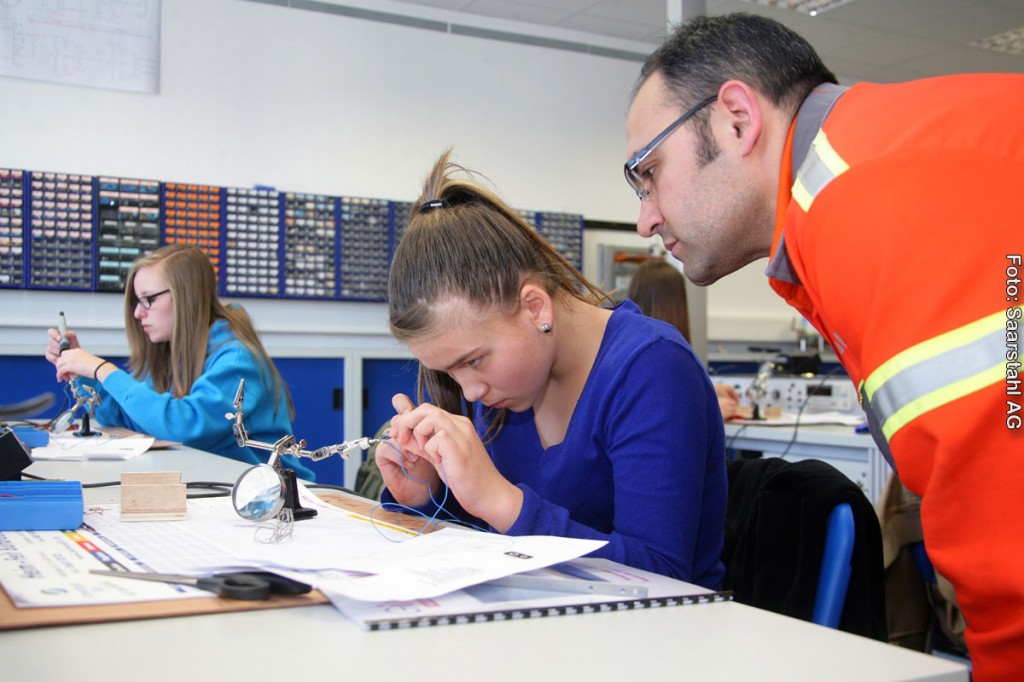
(580, 586)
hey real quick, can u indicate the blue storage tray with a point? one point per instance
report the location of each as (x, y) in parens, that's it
(40, 505)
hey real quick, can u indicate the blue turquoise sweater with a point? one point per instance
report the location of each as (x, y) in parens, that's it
(198, 420)
(642, 465)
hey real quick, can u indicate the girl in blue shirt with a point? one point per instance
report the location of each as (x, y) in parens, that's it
(188, 353)
(549, 414)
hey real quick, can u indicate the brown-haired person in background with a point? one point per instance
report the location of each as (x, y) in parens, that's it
(587, 422)
(659, 290)
(891, 215)
(188, 352)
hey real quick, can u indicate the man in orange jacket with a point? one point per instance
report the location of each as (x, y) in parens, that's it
(892, 215)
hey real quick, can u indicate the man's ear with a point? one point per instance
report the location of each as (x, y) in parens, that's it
(537, 303)
(741, 107)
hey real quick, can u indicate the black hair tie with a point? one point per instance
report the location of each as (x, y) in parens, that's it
(428, 206)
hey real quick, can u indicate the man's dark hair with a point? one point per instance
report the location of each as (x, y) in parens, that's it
(703, 53)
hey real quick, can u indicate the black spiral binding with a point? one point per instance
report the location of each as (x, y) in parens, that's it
(548, 611)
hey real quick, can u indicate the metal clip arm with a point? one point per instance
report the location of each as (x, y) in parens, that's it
(287, 445)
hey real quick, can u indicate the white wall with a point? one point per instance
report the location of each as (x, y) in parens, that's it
(307, 101)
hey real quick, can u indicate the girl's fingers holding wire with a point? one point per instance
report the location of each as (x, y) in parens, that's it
(409, 478)
(414, 426)
(403, 422)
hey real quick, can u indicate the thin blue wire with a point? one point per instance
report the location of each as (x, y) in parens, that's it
(432, 520)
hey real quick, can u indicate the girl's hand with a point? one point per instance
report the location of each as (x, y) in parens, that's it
(450, 443)
(52, 351)
(411, 479)
(728, 400)
(76, 362)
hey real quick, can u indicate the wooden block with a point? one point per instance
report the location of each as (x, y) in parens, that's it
(150, 477)
(152, 496)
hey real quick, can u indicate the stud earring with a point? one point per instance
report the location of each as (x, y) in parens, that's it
(546, 328)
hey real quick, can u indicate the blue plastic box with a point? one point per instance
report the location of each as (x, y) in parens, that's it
(40, 505)
(32, 437)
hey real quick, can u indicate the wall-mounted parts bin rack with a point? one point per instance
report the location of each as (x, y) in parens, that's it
(82, 233)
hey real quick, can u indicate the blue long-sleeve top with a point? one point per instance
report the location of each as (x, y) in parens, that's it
(198, 419)
(642, 464)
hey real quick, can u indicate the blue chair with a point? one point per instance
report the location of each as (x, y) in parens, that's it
(940, 638)
(923, 563)
(834, 577)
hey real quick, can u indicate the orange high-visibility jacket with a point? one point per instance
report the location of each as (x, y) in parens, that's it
(899, 236)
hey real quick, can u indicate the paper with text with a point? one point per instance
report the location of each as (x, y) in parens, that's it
(105, 447)
(341, 552)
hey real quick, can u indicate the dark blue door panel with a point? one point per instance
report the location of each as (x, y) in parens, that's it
(316, 386)
(383, 378)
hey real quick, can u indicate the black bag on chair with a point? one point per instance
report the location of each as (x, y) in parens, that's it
(775, 531)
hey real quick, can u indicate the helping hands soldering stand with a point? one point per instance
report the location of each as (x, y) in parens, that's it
(287, 445)
(758, 388)
(86, 397)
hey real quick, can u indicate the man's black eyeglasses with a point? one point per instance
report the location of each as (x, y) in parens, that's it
(633, 177)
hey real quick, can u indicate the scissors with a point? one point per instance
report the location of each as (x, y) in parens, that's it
(254, 586)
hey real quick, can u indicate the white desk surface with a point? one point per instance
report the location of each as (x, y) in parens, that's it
(855, 454)
(818, 434)
(721, 641)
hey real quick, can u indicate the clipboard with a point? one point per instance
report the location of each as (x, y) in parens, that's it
(12, 618)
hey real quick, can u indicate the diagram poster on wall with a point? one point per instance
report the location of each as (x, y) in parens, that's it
(99, 43)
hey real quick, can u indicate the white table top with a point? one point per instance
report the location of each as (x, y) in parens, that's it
(818, 434)
(720, 641)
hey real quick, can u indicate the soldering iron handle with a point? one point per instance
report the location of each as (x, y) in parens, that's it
(64, 344)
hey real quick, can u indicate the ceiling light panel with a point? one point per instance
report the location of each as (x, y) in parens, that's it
(812, 7)
(1011, 42)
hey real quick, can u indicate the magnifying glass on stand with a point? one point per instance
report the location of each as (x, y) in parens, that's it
(265, 491)
(258, 494)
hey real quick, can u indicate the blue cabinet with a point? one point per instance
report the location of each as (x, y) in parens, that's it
(318, 391)
(382, 379)
(317, 385)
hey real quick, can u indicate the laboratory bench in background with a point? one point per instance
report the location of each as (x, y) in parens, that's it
(854, 454)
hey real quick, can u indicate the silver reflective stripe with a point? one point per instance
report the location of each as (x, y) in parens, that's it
(822, 165)
(780, 267)
(813, 112)
(875, 429)
(936, 372)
